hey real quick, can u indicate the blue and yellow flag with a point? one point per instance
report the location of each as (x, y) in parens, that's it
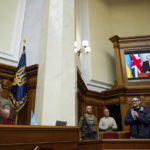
(33, 121)
(18, 93)
(128, 61)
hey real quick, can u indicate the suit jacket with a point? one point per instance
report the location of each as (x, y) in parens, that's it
(138, 128)
(145, 67)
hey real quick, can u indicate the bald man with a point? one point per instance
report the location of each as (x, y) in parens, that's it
(107, 123)
(146, 65)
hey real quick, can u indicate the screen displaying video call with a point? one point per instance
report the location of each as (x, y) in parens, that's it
(137, 64)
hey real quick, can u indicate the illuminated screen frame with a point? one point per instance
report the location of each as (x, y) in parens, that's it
(136, 64)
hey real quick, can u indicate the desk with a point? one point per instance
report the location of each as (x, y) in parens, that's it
(125, 144)
(60, 138)
(46, 137)
(115, 144)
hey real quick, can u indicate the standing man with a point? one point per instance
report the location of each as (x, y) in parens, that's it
(146, 65)
(4, 105)
(107, 123)
(88, 125)
(138, 118)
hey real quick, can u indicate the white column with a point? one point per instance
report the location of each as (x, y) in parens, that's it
(55, 99)
(32, 30)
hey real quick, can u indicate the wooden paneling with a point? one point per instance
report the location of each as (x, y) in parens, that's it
(120, 144)
(119, 74)
(47, 138)
(87, 97)
(116, 95)
(89, 145)
(7, 74)
(99, 113)
(124, 144)
(122, 44)
(59, 138)
(80, 105)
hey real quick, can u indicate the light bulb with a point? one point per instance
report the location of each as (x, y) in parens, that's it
(85, 43)
(87, 50)
(75, 50)
(75, 44)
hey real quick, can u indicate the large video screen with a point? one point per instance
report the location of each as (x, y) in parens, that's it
(137, 64)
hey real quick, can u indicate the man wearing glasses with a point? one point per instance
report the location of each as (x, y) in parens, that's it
(139, 120)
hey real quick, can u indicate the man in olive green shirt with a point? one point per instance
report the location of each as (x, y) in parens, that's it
(4, 106)
(88, 125)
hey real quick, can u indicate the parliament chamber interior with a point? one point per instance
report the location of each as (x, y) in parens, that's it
(49, 86)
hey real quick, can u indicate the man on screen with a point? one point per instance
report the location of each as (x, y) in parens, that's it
(146, 65)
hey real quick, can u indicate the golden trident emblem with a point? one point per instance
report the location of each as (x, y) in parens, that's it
(20, 78)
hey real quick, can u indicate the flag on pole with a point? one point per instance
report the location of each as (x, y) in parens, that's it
(18, 93)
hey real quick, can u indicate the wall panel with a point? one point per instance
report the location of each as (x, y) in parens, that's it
(7, 74)
(116, 95)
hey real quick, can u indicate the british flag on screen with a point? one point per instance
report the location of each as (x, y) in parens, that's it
(136, 65)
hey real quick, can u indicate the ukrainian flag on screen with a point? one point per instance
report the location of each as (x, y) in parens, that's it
(128, 62)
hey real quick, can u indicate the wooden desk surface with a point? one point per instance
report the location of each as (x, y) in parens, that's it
(60, 138)
(115, 144)
(22, 137)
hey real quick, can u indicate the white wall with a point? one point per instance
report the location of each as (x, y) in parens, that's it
(8, 10)
(101, 49)
(19, 20)
(106, 19)
(97, 68)
(12, 16)
(32, 30)
(130, 17)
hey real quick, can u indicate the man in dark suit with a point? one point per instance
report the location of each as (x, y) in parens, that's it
(146, 65)
(139, 120)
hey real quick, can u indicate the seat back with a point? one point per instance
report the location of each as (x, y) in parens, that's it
(6, 121)
(11, 119)
(110, 135)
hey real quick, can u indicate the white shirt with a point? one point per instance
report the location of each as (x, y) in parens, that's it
(106, 122)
